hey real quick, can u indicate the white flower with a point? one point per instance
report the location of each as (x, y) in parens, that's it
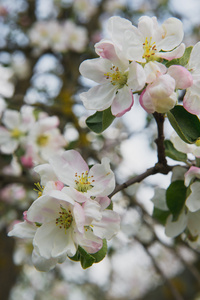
(44, 139)
(76, 36)
(149, 41)
(160, 94)
(16, 126)
(59, 218)
(116, 79)
(71, 169)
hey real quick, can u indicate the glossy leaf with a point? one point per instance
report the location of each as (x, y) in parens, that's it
(186, 125)
(182, 60)
(101, 253)
(87, 259)
(100, 120)
(160, 215)
(171, 152)
(175, 197)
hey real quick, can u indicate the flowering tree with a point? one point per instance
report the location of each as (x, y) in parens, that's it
(59, 162)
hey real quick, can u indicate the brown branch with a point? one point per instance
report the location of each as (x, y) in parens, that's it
(160, 118)
(158, 168)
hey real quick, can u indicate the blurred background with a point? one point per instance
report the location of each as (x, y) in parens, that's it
(42, 44)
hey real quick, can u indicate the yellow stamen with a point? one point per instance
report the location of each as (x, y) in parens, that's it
(39, 189)
(83, 182)
(16, 133)
(42, 140)
(116, 77)
(149, 49)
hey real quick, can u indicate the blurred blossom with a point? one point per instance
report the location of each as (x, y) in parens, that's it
(59, 37)
(85, 9)
(13, 169)
(12, 193)
(6, 85)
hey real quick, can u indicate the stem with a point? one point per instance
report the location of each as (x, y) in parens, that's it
(160, 118)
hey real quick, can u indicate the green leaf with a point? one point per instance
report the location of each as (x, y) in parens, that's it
(86, 259)
(176, 196)
(186, 125)
(182, 60)
(101, 253)
(76, 257)
(171, 152)
(160, 215)
(100, 120)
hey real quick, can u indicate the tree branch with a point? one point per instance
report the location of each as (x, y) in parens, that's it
(158, 168)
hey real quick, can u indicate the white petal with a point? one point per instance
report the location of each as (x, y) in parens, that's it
(51, 241)
(45, 265)
(192, 201)
(172, 34)
(136, 77)
(99, 97)
(176, 53)
(122, 102)
(67, 165)
(46, 173)
(104, 179)
(179, 144)
(193, 172)
(173, 229)
(159, 199)
(11, 119)
(92, 210)
(194, 61)
(95, 69)
(181, 75)
(191, 102)
(108, 226)
(10, 146)
(24, 230)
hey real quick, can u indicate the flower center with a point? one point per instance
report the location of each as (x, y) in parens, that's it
(149, 49)
(42, 140)
(65, 218)
(197, 143)
(16, 133)
(83, 182)
(116, 77)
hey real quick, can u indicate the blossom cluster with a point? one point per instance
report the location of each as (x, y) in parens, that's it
(36, 135)
(71, 210)
(143, 60)
(58, 37)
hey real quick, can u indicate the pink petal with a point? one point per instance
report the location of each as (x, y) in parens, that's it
(122, 102)
(181, 75)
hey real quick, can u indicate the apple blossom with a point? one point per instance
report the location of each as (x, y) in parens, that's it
(149, 41)
(16, 125)
(71, 169)
(57, 225)
(116, 78)
(44, 140)
(160, 93)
